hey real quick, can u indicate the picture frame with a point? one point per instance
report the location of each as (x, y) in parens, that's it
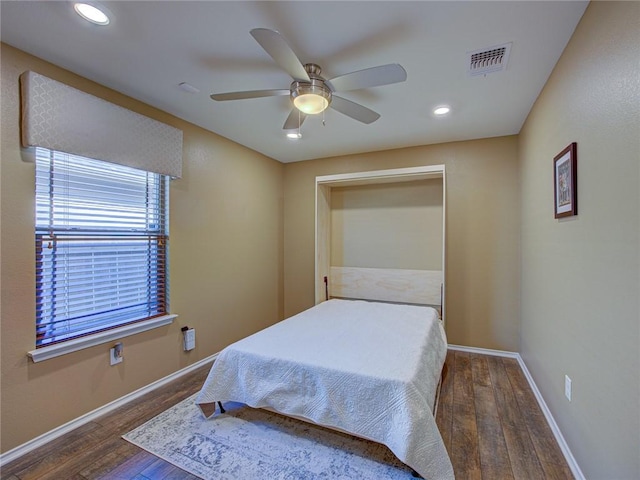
(565, 182)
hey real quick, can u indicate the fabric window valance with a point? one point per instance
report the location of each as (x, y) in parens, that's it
(59, 117)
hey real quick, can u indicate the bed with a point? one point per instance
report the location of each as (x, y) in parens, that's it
(367, 368)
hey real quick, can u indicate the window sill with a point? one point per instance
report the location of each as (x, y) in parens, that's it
(52, 351)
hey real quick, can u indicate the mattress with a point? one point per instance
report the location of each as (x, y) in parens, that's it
(368, 368)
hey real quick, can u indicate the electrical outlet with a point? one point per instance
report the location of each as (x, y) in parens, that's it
(189, 339)
(567, 387)
(116, 354)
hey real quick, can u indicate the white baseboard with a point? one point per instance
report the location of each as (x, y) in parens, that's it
(483, 351)
(98, 412)
(573, 465)
(571, 461)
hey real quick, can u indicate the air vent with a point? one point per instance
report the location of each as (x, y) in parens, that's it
(489, 60)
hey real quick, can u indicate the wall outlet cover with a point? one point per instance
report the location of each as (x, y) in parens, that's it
(567, 387)
(115, 354)
(189, 339)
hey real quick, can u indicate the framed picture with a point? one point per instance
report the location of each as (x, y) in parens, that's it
(565, 182)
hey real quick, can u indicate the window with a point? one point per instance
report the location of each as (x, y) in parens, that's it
(101, 246)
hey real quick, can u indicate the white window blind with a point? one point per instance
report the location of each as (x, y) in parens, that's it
(101, 246)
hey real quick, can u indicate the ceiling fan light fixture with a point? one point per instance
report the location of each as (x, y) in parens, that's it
(310, 97)
(311, 103)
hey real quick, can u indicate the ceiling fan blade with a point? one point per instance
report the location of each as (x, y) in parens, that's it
(354, 110)
(369, 77)
(278, 48)
(293, 120)
(220, 97)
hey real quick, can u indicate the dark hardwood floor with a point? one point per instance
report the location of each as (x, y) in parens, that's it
(491, 423)
(488, 417)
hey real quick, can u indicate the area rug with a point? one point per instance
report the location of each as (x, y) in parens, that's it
(253, 444)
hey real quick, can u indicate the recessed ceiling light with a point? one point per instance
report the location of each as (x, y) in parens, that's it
(294, 135)
(441, 110)
(91, 13)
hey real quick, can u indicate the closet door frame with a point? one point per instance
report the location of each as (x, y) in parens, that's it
(325, 183)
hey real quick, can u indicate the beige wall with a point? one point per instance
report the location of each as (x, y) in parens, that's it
(391, 225)
(563, 292)
(226, 268)
(580, 275)
(483, 205)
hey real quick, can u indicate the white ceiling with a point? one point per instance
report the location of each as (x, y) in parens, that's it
(152, 46)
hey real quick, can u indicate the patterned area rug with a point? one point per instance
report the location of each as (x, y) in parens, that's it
(247, 443)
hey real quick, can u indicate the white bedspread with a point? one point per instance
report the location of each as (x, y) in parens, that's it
(370, 369)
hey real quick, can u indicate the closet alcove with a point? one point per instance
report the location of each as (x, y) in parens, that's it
(380, 235)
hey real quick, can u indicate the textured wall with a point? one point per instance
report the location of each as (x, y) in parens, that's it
(226, 268)
(393, 225)
(580, 275)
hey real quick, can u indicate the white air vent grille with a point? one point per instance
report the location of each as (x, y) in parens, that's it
(489, 60)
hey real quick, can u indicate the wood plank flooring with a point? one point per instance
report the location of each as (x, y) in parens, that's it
(491, 423)
(489, 419)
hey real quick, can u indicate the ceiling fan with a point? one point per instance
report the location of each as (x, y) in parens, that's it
(311, 93)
